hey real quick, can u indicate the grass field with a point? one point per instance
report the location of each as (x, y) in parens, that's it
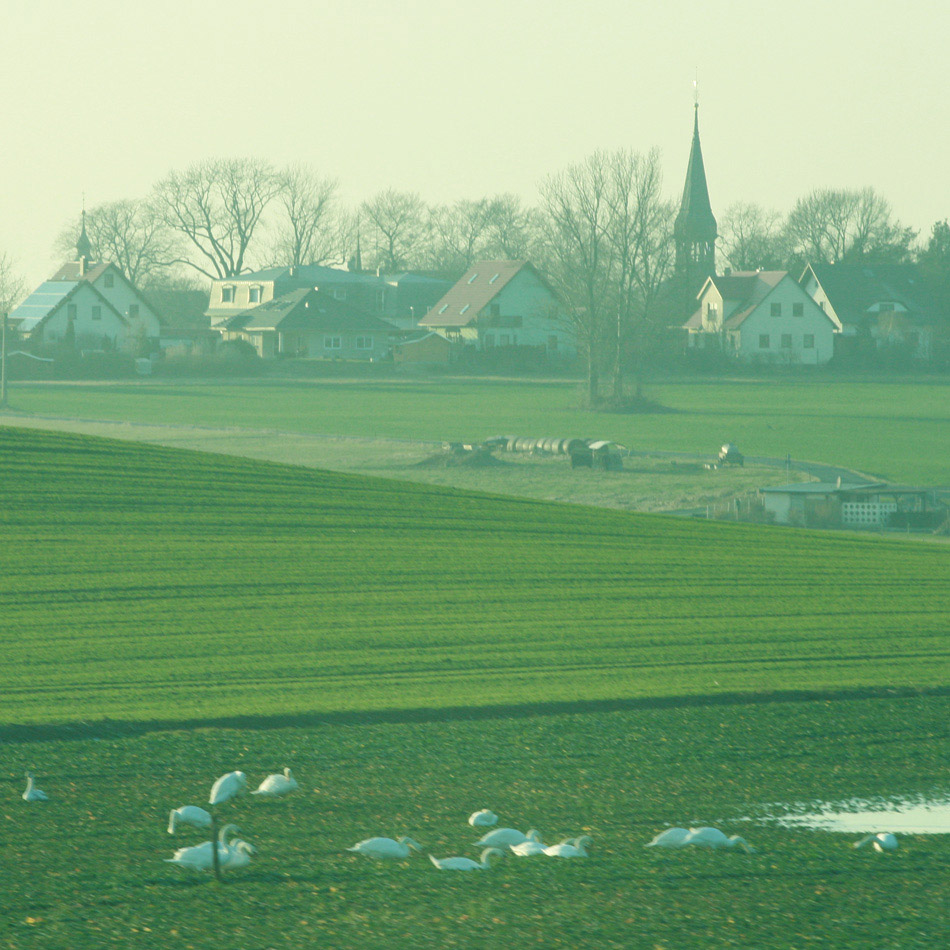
(899, 430)
(416, 653)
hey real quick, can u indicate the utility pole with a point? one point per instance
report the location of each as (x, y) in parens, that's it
(3, 361)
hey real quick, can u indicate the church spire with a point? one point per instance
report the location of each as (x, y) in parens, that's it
(84, 245)
(694, 229)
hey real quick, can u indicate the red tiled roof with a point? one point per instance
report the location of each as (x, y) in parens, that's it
(476, 289)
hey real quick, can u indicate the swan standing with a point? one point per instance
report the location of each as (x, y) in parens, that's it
(505, 837)
(483, 819)
(467, 864)
(227, 787)
(386, 848)
(882, 841)
(32, 793)
(188, 815)
(571, 848)
(278, 784)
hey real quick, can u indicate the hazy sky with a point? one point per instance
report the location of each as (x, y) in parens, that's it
(464, 100)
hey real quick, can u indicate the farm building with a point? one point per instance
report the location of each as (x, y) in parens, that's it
(500, 304)
(867, 505)
(312, 324)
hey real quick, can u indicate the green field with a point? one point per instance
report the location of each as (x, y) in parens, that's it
(899, 430)
(416, 653)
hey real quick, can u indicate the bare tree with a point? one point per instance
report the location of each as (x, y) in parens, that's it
(752, 237)
(459, 235)
(576, 215)
(397, 221)
(514, 231)
(12, 285)
(308, 231)
(216, 207)
(127, 233)
(830, 226)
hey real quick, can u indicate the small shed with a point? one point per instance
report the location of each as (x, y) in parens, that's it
(430, 348)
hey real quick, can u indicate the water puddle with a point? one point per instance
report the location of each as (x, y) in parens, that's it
(920, 816)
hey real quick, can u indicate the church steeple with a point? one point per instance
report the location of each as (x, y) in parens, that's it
(694, 229)
(84, 245)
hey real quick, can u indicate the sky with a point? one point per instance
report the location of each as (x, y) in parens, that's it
(467, 100)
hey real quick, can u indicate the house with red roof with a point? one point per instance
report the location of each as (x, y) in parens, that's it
(761, 317)
(503, 304)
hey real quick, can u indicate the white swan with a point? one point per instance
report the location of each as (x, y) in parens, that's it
(278, 784)
(671, 838)
(467, 864)
(527, 849)
(200, 857)
(386, 847)
(882, 841)
(227, 787)
(570, 848)
(715, 839)
(32, 793)
(505, 837)
(483, 819)
(188, 815)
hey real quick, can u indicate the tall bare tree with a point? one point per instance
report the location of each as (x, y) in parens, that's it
(307, 231)
(12, 285)
(130, 234)
(397, 223)
(752, 237)
(831, 226)
(459, 235)
(514, 230)
(216, 207)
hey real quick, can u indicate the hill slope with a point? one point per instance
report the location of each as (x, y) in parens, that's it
(143, 583)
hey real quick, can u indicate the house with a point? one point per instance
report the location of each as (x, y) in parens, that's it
(884, 304)
(761, 316)
(308, 323)
(502, 304)
(91, 305)
(858, 505)
(400, 299)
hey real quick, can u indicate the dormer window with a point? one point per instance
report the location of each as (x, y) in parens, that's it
(227, 295)
(254, 295)
(108, 281)
(712, 312)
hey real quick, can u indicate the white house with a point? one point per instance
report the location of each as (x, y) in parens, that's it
(761, 316)
(502, 304)
(888, 304)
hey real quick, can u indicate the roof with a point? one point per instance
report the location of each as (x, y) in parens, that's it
(854, 288)
(695, 220)
(309, 274)
(47, 298)
(474, 291)
(306, 309)
(70, 271)
(757, 287)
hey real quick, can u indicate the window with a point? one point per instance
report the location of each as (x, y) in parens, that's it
(464, 309)
(472, 277)
(364, 342)
(776, 309)
(504, 340)
(808, 341)
(108, 281)
(97, 313)
(821, 304)
(798, 310)
(254, 295)
(494, 277)
(495, 310)
(786, 341)
(227, 295)
(70, 311)
(133, 311)
(443, 308)
(332, 343)
(712, 312)
(763, 341)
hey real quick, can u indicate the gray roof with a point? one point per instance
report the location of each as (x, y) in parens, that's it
(306, 309)
(49, 295)
(310, 274)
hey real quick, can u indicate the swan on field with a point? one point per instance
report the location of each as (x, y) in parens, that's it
(188, 815)
(527, 849)
(467, 864)
(227, 787)
(386, 847)
(671, 838)
(32, 793)
(200, 857)
(277, 784)
(504, 837)
(570, 848)
(715, 839)
(483, 819)
(882, 841)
